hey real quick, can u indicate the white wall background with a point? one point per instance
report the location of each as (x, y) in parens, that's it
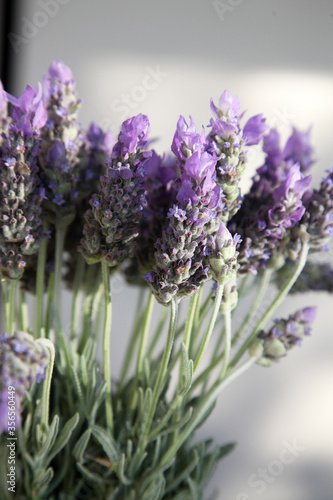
(277, 57)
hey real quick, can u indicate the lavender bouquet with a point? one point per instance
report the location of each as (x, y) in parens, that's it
(77, 206)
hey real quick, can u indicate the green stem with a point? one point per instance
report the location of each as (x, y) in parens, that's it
(106, 344)
(133, 341)
(142, 348)
(161, 376)
(40, 279)
(24, 313)
(275, 304)
(200, 316)
(144, 334)
(227, 341)
(190, 320)
(47, 386)
(197, 310)
(49, 316)
(157, 333)
(60, 240)
(242, 288)
(79, 272)
(97, 306)
(187, 339)
(12, 303)
(201, 410)
(259, 296)
(211, 325)
(87, 309)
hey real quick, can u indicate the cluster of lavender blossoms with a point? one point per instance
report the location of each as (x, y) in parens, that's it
(77, 206)
(272, 217)
(61, 142)
(22, 193)
(284, 335)
(112, 223)
(23, 361)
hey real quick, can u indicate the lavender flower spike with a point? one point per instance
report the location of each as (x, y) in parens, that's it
(298, 149)
(318, 217)
(61, 143)
(284, 335)
(181, 257)
(228, 141)
(186, 140)
(21, 195)
(223, 255)
(29, 112)
(23, 361)
(112, 223)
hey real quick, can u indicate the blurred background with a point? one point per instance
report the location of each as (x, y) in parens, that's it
(166, 58)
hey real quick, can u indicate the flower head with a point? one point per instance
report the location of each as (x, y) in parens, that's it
(181, 256)
(285, 334)
(21, 195)
(273, 212)
(133, 135)
(23, 361)
(298, 149)
(29, 112)
(112, 223)
(318, 217)
(228, 140)
(61, 143)
(186, 140)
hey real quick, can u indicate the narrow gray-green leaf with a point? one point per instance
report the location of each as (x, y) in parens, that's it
(43, 480)
(50, 439)
(81, 446)
(64, 436)
(155, 489)
(195, 491)
(148, 397)
(83, 370)
(107, 442)
(91, 476)
(120, 470)
(185, 473)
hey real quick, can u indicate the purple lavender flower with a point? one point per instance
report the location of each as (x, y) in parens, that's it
(113, 221)
(198, 181)
(20, 193)
(58, 82)
(299, 150)
(318, 218)
(132, 136)
(186, 140)
(61, 143)
(181, 257)
(223, 255)
(160, 194)
(95, 149)
(272, 212)
(254, 130)
(228, 141)
(279, 161)
(29, 112)
(285, 334)
(22, 362)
